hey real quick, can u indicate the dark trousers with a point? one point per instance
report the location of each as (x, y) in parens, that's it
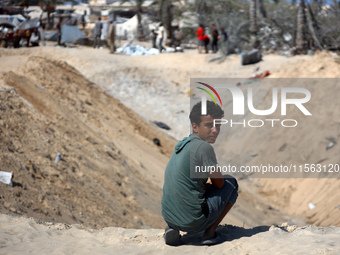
(96, 41)
(59, 38)
(214, 46)
(154, 43)
(160, 45)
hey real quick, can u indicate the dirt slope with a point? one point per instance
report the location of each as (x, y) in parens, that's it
(293, 195)
(49, 108)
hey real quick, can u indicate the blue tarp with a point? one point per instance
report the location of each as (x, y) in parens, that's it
(70, 33)
(53, 36)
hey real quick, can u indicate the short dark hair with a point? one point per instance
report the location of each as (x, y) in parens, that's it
(214, 110)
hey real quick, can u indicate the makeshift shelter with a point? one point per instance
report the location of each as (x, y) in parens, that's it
(28, 24)
(70, 34)
(53, 36)
(128, 29)
(6, 24)
(14, 19)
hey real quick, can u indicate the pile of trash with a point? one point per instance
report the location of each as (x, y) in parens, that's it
(136, 50)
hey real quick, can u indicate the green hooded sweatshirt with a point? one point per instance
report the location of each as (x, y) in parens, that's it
(183, 195)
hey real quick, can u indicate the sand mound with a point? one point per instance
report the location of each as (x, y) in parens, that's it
(322, 65)
(105, 176)
(111, 172)
(26, 235)
(293, 195)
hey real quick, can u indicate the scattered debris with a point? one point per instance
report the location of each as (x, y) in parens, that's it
(57, 158)
(6, 177)
(252, 57)
(284, 225)
(311, 205)
(291, 229)
(273, 208)
(256, 69)
(157, 141)
(261, 75)
(162, 125)
(331, 143)
(283, 147)
(136, 50)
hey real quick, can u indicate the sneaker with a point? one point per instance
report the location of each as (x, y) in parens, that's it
(172, 237)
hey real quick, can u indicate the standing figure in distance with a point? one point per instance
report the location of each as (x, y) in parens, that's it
(154, 38)
(200, 38)
(97, 33)
(215, 38)
(161, 37)
(111, 37)
(59, 25)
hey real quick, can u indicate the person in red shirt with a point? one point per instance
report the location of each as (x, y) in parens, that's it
(200, 38)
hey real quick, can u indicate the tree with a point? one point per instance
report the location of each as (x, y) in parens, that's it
(253, 17)
(262, 9)
(301, 42)
(165, 15)
(253, 24)
(49, 7)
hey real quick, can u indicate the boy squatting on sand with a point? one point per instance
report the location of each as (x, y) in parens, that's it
(193, 204)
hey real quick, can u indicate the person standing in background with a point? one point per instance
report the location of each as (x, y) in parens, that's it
(111, 37)
(200, 38)
(83, 22)
(160, 37)
(97, 32)
(59, 25)
(154, 38)
(224, 34)
(215, 38)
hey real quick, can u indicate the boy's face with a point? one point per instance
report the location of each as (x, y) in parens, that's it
(206, 130)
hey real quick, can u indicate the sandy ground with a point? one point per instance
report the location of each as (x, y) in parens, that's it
(111, 172)
(19, 235)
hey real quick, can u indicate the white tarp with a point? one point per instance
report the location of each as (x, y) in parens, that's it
(136, 50)
(128, 29)
(14, 19)
(28, 24)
